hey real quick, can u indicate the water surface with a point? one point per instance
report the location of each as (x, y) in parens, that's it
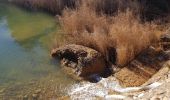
(25, 41)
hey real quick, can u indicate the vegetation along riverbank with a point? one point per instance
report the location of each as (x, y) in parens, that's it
(125, 39)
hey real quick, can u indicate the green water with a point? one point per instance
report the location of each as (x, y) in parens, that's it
(25, 41)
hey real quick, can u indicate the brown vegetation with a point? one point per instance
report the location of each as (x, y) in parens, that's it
(119, 38)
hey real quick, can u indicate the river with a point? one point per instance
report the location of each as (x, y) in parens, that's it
(25, 63)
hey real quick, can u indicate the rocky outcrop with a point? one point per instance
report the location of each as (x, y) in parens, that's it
(142, 68)
(80, 61)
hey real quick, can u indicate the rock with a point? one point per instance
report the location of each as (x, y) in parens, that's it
(142, 68)
(35, 96)
(25, 97)
(165, 38)
(64, 98)
(79, 60)
(2, 90)
(94, 78)
(38, 91)
(165, 41)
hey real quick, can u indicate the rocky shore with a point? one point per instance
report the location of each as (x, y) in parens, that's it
(146, 77)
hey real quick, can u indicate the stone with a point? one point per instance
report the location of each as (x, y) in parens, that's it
(2, 90)
(165, 41)
(35, 96)
(38, 91)
(165, 38)
(142, 68)
(94, 78)
(25, 97)
(81, 61)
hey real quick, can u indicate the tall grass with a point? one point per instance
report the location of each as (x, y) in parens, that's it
(122, 36)
(132, 36)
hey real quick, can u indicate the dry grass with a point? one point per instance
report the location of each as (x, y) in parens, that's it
(132, 36)
(84, 27)
(124, 32)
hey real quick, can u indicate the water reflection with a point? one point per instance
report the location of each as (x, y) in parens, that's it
(25, 39)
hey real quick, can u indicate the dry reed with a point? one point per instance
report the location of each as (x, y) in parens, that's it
(119, 38)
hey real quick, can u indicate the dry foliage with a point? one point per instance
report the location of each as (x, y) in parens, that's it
(124, 32)
(132, 36)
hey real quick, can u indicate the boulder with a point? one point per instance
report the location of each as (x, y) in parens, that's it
(79, 60)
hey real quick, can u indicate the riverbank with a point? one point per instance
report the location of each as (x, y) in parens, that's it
(120, 36)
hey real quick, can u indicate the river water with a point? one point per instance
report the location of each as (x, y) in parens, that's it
(25, 44)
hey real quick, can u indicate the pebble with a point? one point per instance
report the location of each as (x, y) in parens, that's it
(2, 90)
(25, 97)
(35, 96)
(165, 98)
(155, 98)
(31, 83)
(94, 78)
(37, 91)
